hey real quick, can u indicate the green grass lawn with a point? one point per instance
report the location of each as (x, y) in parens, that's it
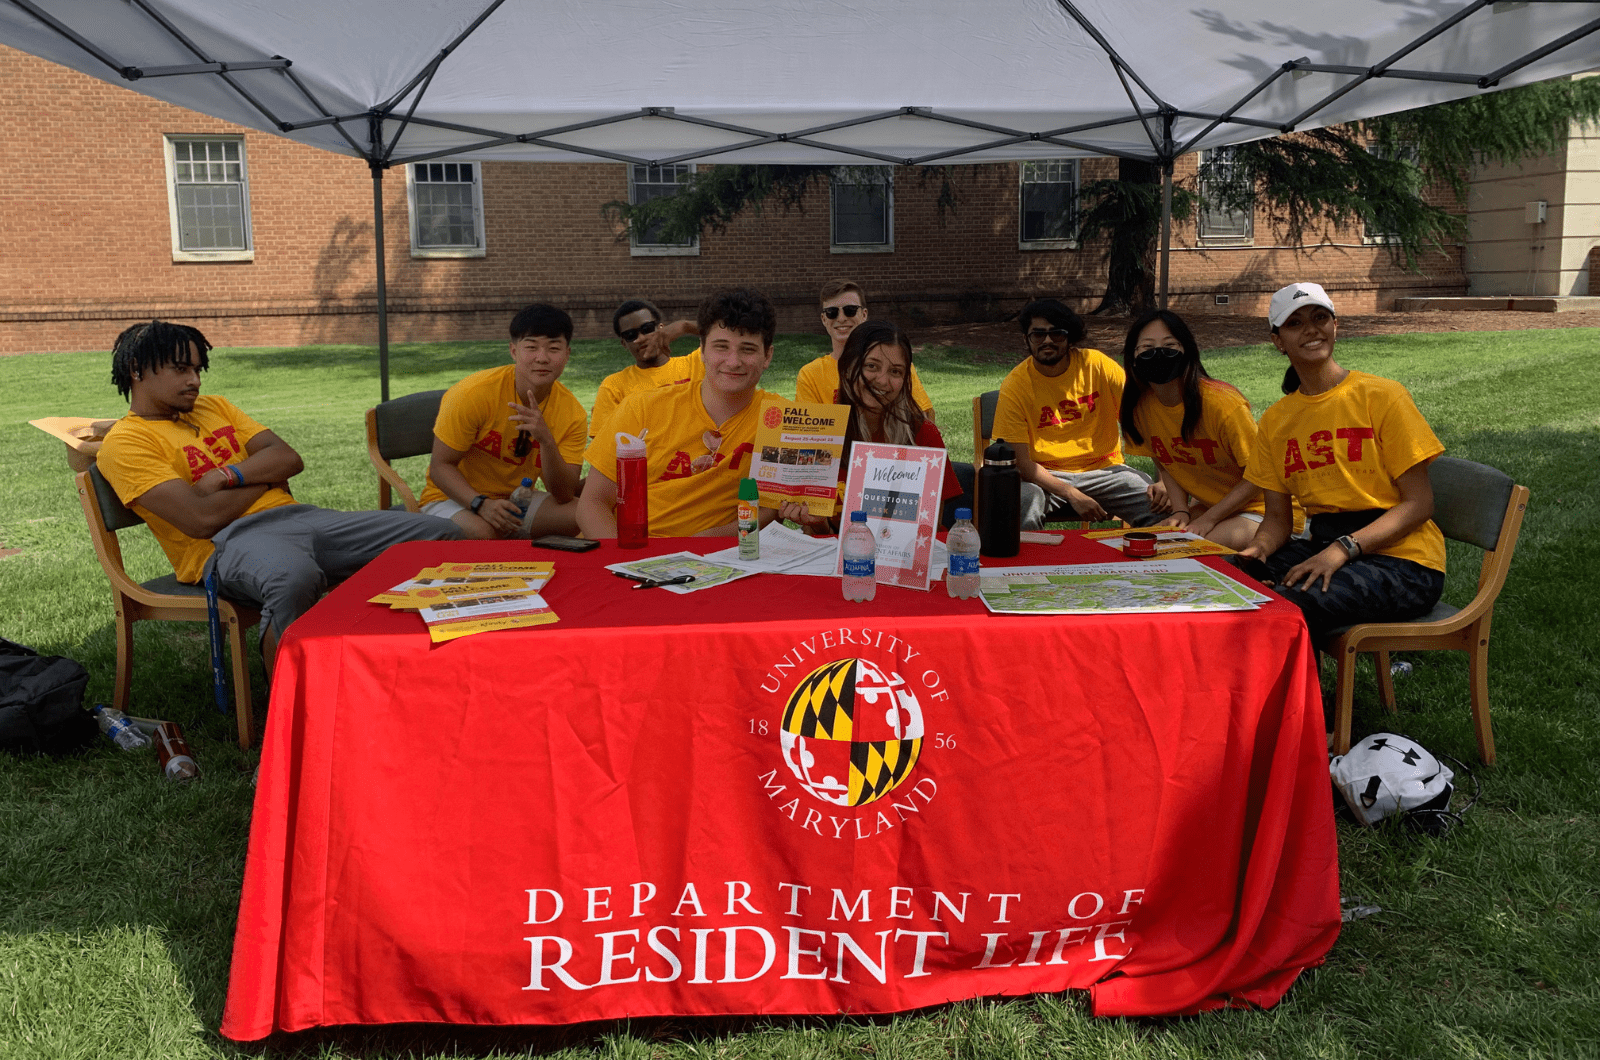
(118, 890)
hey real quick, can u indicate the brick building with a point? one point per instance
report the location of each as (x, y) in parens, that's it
(118, 207)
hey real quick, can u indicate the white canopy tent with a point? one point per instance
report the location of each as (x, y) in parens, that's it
(798, 81)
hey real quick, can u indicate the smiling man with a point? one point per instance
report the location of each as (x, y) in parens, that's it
(844, 308)
(700, 435)
(213, 484)
(501, 425)
(637, 323)
(1058, 410)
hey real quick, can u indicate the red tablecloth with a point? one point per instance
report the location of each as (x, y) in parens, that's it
(601, 818)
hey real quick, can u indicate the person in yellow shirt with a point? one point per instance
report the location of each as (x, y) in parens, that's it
(844, 308)
(1354, 450)
(635, 322)
(1198, 430)
(502, 425)
(700, 435)
(213, 485)
(1058, 410)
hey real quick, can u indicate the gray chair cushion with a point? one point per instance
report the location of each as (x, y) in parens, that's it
(405, 424)
(1440, 612)
(1469, 500)
(169, 585)
(115, 514)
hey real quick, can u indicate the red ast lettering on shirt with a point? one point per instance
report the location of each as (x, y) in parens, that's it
(682, 464)
(1181, 452)
(1066, 410)
(223, 446)
(493, 445)
(1318, 450)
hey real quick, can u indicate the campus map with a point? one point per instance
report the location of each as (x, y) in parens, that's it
(1181, 585)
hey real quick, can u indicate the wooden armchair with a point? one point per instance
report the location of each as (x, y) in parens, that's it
(398, 428)
(160, 599)
(1472, 503)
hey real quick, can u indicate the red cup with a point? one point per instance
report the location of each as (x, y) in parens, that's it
(1139, 544)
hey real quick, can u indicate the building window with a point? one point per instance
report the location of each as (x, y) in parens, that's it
(208, 198)
(1049, 204)
(646, 183)
(1375, 230)
(1220, 226)
(446, 210)
(862, 199)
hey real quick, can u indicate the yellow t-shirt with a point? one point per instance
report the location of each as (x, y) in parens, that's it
(1342, 450)
(475, 417)
(631, 380)
(694, 475)
(1070, 421)
(139, 455)
(818, 384)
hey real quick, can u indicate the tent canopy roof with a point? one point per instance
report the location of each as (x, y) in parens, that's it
(801, 81)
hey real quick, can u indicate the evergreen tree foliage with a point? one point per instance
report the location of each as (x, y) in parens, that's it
(1392, 174)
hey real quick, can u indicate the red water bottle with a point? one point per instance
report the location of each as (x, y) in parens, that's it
(633, 491)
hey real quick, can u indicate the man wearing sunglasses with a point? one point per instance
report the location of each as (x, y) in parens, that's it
(1059, 411)
(639, 327)
(501, 425)
(844, 306)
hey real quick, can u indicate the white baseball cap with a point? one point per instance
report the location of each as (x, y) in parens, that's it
(1292, 297)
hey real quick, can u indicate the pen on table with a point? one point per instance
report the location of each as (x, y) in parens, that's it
(682, 579)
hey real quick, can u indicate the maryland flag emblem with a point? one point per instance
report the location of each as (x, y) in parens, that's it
(851, 732)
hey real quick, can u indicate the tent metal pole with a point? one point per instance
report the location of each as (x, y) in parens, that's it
(1166, 230)
(383, 291)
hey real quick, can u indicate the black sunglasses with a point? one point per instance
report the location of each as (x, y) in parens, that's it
(1040, 334)
(832, 312)
(647, 328)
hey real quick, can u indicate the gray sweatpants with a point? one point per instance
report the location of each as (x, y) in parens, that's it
(283, 559)
(1120, 489)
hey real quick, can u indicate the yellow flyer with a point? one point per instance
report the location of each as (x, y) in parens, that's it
(536, 574)
(428, 595)
(1171, 543)
(464, 615)
(798, 449)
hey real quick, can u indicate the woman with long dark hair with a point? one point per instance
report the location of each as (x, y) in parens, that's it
(874, 370)
(1354, 450)
(1198, 430)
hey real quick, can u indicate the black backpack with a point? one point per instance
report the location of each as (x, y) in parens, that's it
(41, 702)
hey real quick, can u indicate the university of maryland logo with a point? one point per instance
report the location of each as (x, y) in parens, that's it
(852, 731)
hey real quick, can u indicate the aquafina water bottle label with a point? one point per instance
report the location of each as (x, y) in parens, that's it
(963, 565)
(859, 568)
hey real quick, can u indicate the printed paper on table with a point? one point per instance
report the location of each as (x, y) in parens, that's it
(535, 574)
(706, 571)
(467, 614)
(898, 486)
(797, 454)
(1180, 585)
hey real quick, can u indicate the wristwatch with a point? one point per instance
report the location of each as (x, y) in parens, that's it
(477, 502)
(1352, 547)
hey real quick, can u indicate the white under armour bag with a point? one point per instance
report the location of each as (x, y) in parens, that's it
(1385, 774)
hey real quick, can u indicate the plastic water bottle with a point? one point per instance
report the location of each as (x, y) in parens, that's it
(633, 491)
(522, 496)
(961, 580)
(116, 725)
(1399, 668)
(860, 560)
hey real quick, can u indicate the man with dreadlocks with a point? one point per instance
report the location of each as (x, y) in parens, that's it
(213, 484)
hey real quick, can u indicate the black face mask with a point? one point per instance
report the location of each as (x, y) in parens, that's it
(1154, 367)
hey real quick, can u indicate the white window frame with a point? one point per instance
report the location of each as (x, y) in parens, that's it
(637, 249)
(1247, 238)
(1064, 243)
(180, 254)
(417, 251)
(849, 176)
